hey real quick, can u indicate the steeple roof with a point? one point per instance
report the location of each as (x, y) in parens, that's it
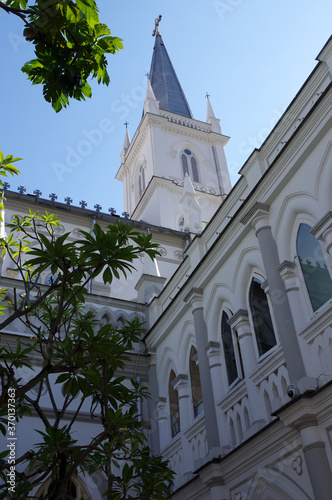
(165, 83)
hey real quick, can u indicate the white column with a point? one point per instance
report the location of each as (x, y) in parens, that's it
(164, 426)
(302, 416)
(181, 385)
(240, 322)
(152, 403)
(258, 216)
(292, 286)
(201, 334)
(213, 354)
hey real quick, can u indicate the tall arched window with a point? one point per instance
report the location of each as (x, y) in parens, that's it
(189, 165)
(141, 181)
(261, 317)
(195, 380)
(173, 406)
(75, 490)
(315, 273)
(229, 352)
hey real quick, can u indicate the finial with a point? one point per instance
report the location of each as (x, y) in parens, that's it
(37, 193)
(126, 124)
(207, 96)
(156, 29)
(68, 200)
(53, 197)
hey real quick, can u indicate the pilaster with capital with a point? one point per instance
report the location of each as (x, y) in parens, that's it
(181, 385)
(240, 321)
(287, 270)
(194, 298)
(258, 217)
(163, 421)
(302, 416)
(154, 391)
(214, 358)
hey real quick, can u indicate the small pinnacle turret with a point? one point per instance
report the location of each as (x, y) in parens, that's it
(126, 144)
(211, 117)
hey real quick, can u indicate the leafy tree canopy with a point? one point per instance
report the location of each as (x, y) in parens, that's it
(79, 363)
(70, 46)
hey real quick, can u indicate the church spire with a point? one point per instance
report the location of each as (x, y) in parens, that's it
(164, 82)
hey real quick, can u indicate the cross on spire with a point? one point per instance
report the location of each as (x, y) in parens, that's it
(156, 29)
(126, 124)
(207, 96)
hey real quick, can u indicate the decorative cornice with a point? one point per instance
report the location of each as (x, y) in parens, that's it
(234, 396)
(257, 211)
(195, 294)
(240, 318)
(150, 279)
(172, 187)
(181, 382)
(187, 122)
(324, 225)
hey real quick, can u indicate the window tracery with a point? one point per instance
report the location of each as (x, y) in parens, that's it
(189, 165)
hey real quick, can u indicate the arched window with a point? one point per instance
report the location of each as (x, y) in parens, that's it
(141, 181)
(261, 317)
(229, 352)
(195, 380)
(173, 406)
(315, 273)
(189, 165)
(75, 490)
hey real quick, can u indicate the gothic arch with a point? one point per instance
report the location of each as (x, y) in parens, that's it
(261, 313)
(220, 297)
(104, 315)
(250, 260)
(303, 218)
(186, 340)
(77, 489)
(166, 363)
(139, 177)
(323, 182)
(182, 144)
(294, 207)
(273, 484)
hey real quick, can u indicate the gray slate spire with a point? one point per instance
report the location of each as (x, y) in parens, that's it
(165, 83)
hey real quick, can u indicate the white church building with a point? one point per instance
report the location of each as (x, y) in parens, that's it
(238, 345)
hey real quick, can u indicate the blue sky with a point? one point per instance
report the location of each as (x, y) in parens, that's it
(251, 56)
